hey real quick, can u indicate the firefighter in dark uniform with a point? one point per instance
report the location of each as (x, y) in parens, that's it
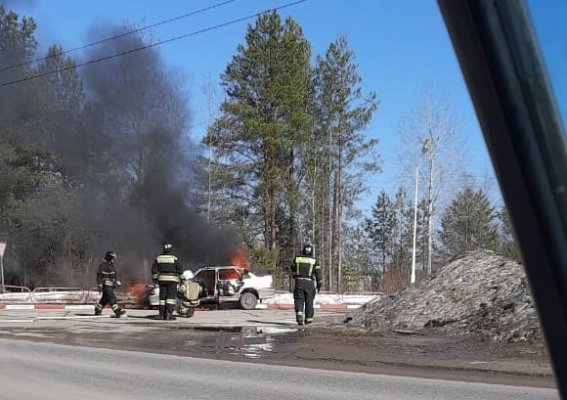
(307, 273)
(166, 272)
(107, 281)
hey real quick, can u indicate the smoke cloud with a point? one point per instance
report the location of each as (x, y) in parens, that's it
(140, 128)
(123, 170)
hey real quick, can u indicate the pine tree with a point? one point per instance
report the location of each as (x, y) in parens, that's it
(263, 118)
(402, 232)
(380, 228)
(469, 223)
(343, 114)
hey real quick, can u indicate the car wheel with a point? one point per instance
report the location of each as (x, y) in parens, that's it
(248, 301)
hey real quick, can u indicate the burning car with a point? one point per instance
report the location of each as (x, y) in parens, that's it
(228, 284)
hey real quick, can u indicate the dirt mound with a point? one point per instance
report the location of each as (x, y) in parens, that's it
(482, 293)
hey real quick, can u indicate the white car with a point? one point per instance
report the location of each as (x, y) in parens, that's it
(227, 284)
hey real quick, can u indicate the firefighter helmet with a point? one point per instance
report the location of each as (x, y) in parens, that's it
(307, 250)
(110, 256)
(167, 247)
(187, 275)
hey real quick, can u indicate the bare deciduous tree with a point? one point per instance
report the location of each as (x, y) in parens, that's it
(432, 145)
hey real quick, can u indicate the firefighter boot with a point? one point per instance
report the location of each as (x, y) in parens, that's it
(98, 309)
(118, 311)
(162, 312)
(169, 315)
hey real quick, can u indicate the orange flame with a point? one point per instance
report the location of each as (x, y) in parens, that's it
(138, 293)
(239, 257)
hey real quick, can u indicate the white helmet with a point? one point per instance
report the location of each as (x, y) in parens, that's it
(188, 274)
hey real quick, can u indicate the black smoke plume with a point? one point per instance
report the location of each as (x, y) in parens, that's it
(139, 120)
(100, 160)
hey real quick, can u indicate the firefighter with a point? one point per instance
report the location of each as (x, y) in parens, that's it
(188, 294)
(107, 281)
(166, 272)
(307, 273)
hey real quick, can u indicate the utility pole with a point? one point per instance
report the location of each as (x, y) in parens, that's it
(412, 277)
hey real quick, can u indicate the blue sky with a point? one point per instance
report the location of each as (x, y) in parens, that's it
(401, 47)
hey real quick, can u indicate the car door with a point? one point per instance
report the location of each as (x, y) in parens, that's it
(229, 283)
(207, 278)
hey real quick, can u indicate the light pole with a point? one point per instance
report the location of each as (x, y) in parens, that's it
(426, 147)
(412, 277)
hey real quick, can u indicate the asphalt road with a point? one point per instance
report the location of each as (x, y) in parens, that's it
(30, 370)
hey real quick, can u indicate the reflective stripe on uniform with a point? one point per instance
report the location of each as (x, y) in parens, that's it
(304, 260)
(99, 306)
(115, 306)
(166, 259)
(308, 319)
(167, 278)
(170, 301)
(299, 312)
(162, 302)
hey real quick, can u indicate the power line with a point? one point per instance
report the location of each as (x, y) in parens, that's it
(167, 21)
(194, 33)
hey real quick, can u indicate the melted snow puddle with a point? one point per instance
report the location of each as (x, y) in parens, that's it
(251, 342)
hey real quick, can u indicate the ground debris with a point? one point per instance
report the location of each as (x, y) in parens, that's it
(481, 294)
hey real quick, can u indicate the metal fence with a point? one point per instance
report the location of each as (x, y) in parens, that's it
(11, 294)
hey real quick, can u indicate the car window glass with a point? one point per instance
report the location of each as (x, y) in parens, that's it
(549, 18)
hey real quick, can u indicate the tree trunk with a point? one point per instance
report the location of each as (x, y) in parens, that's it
(430, 213)
(267, 219)
(322, 236)
(330, 239)
(293, 213)
(340, 217)
(273, 223)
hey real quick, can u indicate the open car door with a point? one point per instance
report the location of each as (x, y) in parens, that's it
(207, 278)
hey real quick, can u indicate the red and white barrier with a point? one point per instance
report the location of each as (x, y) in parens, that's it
(47, 307)
(322, 307)
(21, 298)
(324, 301)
